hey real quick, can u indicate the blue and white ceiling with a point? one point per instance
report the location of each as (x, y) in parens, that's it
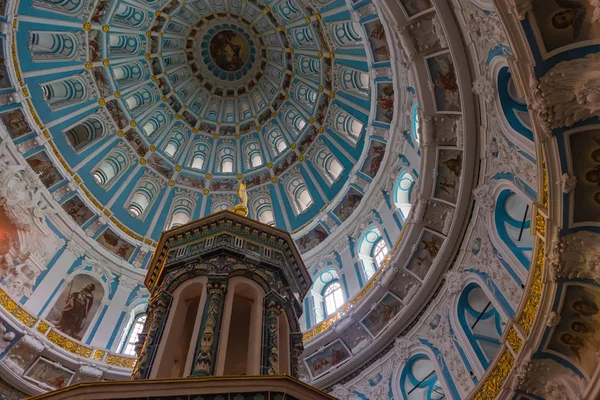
(156, 110)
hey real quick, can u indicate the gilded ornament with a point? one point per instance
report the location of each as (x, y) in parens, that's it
(534, 296)
(321, 129)
(332, 95)
(177, 116)
(318, 16)
(331, 55)
(514, 340)
(216, 136)
(320, 54)
(105, 62)
(274, 179)
(178, 168)
(321, 89)
(148, 33)
(258, 128)
(133, 122)
(274, 114)
(107, 213)
(239, 176)
(98, 355)
(307, 20)
(120, 133)
(205, 192)
(120, 361)
(195, 130)
(293, 145)
(89, 65)
(105, 28)
(152, 148)
(540, 224)
(68, 344)
(143, 161)
(269, 165)
(208, 176)
(237, 136)
(171, 182)
(164, 98)
(101, 101)
(14, 309)
(300, 158)
(495, 380)
(311, 120)
(87, 26)
(157, 13)
(147, 56)
(242, 207)
(117, 95)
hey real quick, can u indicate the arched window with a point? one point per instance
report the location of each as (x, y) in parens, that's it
(305, 95)
(199, 154)
(128, 74)
(354, 81)
(55, 46)
(263, 209)
(141, 99)
(174, 143)
(129, 16)
(276, 141)
(68, 7)
(480, 322)
(299, 195)
(513, 221)
(415, 123)
(212, 111)
(155, 123)
(226, 159)
(64, 92)
(402, 193)
(142, 198)
(122, 45)
(346, 34)
(85, 133)
(252, 153)
(327, 295)
(294, 120)
(222, 202)
(419, 380)
(333, 298)
(327, 164)
(184, 203)
(113, 166)
(372, 251)
(245, 112)
(128, 346)
(346, 125)
(229, 111)
(199, 101)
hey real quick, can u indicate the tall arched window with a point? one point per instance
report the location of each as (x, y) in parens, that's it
(121, 45)
(199, 154)
(415, 123)
(113, 166)
(143, 196)
(252, 153)
(64, 92)
(68, 7)
(263, 209)
(55, 46)
(142, 99)
(329, 166)
(480, 322)
(129, 16)
(346, 125)
(354, 81)
(128, 74)
(419, 380)
(85, 133)
(174, 143)
(402, 193)
(184, 203)
(346, 34)
(128, 346)
(155, 124)
(226, 159)
(276, 141)
(298, 194)
(294, 120)
(333, 298)
(513, 221)
(372, 251)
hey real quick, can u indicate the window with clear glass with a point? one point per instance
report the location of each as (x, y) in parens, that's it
(333, 297)
(132, 337)
(380, 253)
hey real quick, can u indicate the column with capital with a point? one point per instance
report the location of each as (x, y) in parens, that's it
(210, 327)
(273, 306)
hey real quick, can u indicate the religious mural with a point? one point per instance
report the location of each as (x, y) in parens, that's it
(229, 50)
(562, 23)
(312, 239)
(138, 144)
(75, 308)
(386, 309)
(113, 242)
(227, 185)
(191, 181)
(349, 203)
(9, 234)
(49, 373)
(44, 168)
(378, 41)
(585, 146)
(427, 250)
(445, 85)
(15, 123)
(385, 102)
(577, 335)
(416, 7)
(356, 337)
(326, 359)
(449, 170)
(374, 158)
(77, 209)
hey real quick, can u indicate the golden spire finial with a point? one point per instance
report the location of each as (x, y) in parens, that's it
(242, 207)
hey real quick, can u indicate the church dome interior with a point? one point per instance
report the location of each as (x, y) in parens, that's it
(429, 158)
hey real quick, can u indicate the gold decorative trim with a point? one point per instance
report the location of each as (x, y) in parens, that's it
(15, 310)
(120, 361)
(98, 355)
(60, 158)
(514, 340)
(126, 230)
(534, 295)
(493, 384)
(68, 344)
(540, 224)
(43, 327)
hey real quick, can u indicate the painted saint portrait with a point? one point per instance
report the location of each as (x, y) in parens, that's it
(15, 123)
(415, 7)
(427, 250)
(328, 358)
(445, 85)
(385, 102)
(565, 22)
(49, 374)
(112, 242)
(348, 204)
(577, 336)
(77, 209)
(312, 239)
(229, 50)
(374, 159)
(191, 181)
(76, 306)
(386, 309)
(378, 41)
(449, 169)
(44, 168)
(585, 152)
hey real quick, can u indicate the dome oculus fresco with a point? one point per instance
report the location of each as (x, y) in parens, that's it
(158, 110)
